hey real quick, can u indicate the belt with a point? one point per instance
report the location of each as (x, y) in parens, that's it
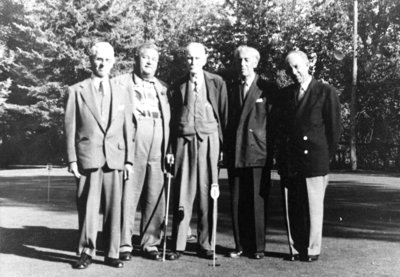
(150, 114)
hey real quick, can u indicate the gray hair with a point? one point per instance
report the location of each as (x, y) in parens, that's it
(145, 45)
(196, 44)
(298, 52)
(243, 48)
(100, 45)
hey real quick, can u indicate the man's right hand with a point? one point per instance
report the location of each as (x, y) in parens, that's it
(73, 168)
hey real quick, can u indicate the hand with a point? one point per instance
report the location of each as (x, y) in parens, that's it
(170, 159)
(73, 168)
(128, 170)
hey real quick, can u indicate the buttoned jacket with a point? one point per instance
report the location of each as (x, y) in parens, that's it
(310, 130)
(248, 130)
(216, 95)
(90, 142)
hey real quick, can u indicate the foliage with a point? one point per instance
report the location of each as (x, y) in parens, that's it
(43, 46)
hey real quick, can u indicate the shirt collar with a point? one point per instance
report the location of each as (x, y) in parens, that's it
(248, 81)
(306, 83)
(199, 78)
(96, 80)
(139, 79)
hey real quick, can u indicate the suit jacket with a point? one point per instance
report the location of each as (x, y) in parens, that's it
(161, 89)
(311, 130)
(216, 95)
(90, 143)
(248, 131)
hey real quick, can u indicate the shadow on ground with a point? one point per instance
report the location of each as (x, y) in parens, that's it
(352, 210)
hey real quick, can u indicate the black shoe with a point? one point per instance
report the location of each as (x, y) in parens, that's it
(235, 254)
(257, 255)
(125, 256)
(174, 255)
(293, 257)
(153, 255)
(310, 258)
(205, 254)
(113, 262)
(84, 261)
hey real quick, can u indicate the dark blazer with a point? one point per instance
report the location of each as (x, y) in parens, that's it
(310, 130)
(216, 95)
(161, 90)
(248, 129)
(89, 142)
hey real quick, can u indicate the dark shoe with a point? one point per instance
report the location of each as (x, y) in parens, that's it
(125, 256)
(153, 255)
(293, 257)
(310, 258)
(205, 254)
(257, 255)
(114, 262)
(174, 255)
(235, 254)
(84, 261)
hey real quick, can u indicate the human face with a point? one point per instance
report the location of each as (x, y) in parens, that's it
(102, 62)
(297, 68)
(246, 62)
(148, 61)
(196, 58)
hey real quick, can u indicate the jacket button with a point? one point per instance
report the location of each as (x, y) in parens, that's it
(305, 138)
(305, 152)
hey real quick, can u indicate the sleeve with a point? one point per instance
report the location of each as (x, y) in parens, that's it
(332, 118)
(70, 125)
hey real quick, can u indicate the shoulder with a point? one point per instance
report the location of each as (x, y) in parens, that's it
(163, 84)
(213, 77)
(75, 87)
(122, 78)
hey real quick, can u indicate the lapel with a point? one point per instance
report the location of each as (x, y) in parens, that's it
(308, 100)
(252, 95)
(87, 91)
(183, 88)
(211, 91)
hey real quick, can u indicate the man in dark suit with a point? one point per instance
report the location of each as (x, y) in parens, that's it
(98, 130)
(199, 113)
(311, 128)
(152, 115)
(247, 157)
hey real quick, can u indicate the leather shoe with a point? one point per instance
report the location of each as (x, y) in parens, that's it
(153, 255)
(125, 256)
(293, 257)
(114, 262)
(257, 255)
(205, 254)
(235, 254)
(174, 255)
(310, 258)
(84, 261)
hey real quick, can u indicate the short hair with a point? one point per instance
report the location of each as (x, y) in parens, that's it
(252, 50)
(100, 45)
(143, 46)
(298, 52)
(196, 44)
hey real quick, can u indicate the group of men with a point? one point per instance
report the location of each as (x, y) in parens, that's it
(124, 133)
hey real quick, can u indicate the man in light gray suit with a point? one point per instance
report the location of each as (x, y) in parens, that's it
(98, 130)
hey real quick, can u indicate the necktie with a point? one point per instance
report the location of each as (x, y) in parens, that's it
(300, 94)
(102, 102)
(245, 88)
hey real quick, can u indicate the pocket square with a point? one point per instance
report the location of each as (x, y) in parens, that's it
(259, 100)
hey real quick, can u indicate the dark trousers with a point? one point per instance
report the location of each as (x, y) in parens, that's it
(249, 192)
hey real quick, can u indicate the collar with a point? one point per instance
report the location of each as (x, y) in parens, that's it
(140, 80)
(199, 78)
(96, 80)
(306, 83)
(249, 81)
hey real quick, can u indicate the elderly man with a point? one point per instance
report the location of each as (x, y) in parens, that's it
(311, 128)
(152, 115)
(98, 130)
(247, 157)
(199, 113)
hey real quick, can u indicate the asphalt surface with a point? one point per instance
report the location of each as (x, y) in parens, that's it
(38, 231)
